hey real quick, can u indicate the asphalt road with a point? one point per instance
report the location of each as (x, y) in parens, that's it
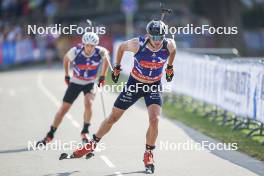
(30, 97)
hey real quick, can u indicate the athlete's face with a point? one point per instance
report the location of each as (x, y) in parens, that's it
(88, 49)
(156, 41)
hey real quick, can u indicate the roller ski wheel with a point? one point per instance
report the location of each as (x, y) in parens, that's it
(149, 169)
(66, 156)
(89, 156)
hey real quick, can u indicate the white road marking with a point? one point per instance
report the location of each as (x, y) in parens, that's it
(56, 102)
(118, 173)
(107, 161)
(74, 122)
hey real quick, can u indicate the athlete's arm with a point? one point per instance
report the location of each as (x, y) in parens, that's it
(169, 69)
(66, 64)
(106, 58)
(172, 50)
(129, 45)
(68, 58)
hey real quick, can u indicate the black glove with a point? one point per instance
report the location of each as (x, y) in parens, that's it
(101, 81)
(116, 73)
(67, 79)
(169, 73)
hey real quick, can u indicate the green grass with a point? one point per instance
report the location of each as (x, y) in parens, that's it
(197, 121)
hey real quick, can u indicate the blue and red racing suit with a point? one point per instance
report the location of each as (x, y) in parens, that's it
(148, 65)
(85, 69)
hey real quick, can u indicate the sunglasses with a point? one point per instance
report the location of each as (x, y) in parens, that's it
(157, 37)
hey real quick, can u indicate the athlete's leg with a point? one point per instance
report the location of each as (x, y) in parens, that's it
(153, 102)
(123, 102)
(87, 115)
(88, 103)
(61, 113)
(56, 122)
(154, 111)
(71, 94)
(107, 124)
(126, 99)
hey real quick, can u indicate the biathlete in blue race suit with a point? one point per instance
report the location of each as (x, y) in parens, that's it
(86, 59)
(152, 52)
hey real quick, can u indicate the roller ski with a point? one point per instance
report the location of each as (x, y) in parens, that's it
(87, 150)
(66, 156)
(149, 162)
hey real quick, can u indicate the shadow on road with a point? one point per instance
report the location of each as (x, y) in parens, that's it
(15, 150)
(62, 173)
(129, 173)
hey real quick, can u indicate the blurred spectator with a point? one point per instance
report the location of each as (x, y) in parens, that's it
(50, 9)
(14, 34)
(17, 14)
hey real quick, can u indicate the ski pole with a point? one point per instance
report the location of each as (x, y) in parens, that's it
(103, 104)
(101, 91)
(109, 63)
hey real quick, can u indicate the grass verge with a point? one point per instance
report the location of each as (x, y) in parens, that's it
(250, 146)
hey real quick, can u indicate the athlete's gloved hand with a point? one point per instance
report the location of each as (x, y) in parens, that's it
(116, 73)
(101, 81)
(67, 79)
(169, 73)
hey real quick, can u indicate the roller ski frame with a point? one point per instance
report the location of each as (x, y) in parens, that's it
(80, 152)
(68, 156)
(149, 169)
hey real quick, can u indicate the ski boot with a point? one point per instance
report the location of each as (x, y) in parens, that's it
(149, 162)
(46, 140)
(85, 138)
